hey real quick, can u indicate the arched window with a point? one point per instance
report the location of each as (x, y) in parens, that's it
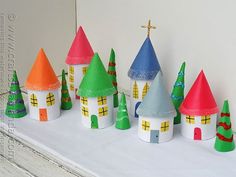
(135, 90)
(145, 90)
(33, 100)
(50, 99)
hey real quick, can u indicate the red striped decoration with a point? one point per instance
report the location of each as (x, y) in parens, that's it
(223, 124)
(112, 73)
(225, 114)
(111, 64)
(223, 138)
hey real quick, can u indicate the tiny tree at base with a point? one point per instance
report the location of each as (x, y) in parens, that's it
(66, 103)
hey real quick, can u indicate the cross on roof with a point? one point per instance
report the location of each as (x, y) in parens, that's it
(149, 27)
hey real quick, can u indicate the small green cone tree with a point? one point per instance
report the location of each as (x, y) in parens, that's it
(112, 75)
(66, 103)
(224, 137)
(15, 105)
(122, 119)
(177, 94)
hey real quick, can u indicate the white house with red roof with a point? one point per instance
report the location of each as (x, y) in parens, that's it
(199, 111)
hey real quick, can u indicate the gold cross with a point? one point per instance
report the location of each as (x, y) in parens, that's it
(149, 27)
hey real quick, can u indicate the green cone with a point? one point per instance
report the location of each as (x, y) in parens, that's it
(15, 105)
(224, 137)
(66, 103)
(177, 94)
(122, 119)
(112, 75)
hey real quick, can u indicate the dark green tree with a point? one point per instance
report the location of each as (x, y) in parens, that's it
(66, 103)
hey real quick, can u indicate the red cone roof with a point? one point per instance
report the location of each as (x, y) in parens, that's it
(81, 51)
(199, 100)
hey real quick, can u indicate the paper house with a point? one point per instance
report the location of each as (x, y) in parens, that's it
(142, 72)
(78, 59)
(199, 111)
(43, 87)
(156, 113)
(96, 96)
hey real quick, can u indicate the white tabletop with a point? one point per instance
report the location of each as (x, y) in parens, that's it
(120, 153)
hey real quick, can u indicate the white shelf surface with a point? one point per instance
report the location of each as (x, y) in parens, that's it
(120, 153)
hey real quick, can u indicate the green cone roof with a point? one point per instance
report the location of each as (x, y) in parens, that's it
(96, 81)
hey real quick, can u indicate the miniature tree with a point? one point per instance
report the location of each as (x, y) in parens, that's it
(15, 105)
(112, 75)
(224, 137)
(178, 93)
(122, 120)
(66, 103)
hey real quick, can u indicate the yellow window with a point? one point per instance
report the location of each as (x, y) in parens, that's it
(145, 90)
(71, 70)
(190, 119)
(72, 88)
(165, 126)
(85, 111)
(135, 90)
(84, 70)
(84, 100)
(145, 125)
(206, 119)
(71, 78)
(50, 99)
(102, 100)
(103, 111)
(33, 100)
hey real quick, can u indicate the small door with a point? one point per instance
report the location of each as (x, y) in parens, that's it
(43, 116)
(197, 134)
(76, 96)
(154, 138)
(136, 107)
(94, 121)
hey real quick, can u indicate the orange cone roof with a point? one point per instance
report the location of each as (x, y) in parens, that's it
(42, 76)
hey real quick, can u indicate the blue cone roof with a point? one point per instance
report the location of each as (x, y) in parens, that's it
(157, 103)
(145, 65)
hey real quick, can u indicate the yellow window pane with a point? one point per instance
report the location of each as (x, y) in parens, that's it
(145, 90)
(206, 119)
(50, 99)
(85, 111)
(84, 70)
(190, 119)
(145, 125)
(71, 78)
(135, 90)
(165, 126)
(103, 111)
(84, 100)
(71, 70)
(102, 100)
(33, 100)
(72, 88)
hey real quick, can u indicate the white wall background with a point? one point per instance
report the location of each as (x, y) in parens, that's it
(202, 33)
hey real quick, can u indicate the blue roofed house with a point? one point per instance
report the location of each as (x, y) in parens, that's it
(156, 113)
(142, 72)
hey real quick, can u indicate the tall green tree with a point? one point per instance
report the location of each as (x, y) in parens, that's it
(66, 103)
(15, 105)
(112, 75)
(122, 119)
(224, 137)
(177, 94)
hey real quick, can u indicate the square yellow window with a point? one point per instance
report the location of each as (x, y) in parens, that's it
(103, 111)
(145, 125)
(84, 70)
(135, 90)
(165, 126)
(71, 69)
(84, 100)
(206, 119)
(50, 99)
(190, 119)
(85, 111)
(33, 100)
(72, 88)
(71, 78)
(102, 100)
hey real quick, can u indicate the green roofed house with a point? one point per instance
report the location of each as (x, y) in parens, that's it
(96, 96)
(156, 113)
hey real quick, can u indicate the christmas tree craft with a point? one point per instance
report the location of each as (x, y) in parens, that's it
(15, 105)
(224, 137)
(178, 93)
(66, 103)
(122, 120)
(112, 75)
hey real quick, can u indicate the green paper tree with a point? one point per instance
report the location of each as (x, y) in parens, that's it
(177, 94)
(15, 105)
(224, 137)
(112, 75)
(122, 120)
(66, 103)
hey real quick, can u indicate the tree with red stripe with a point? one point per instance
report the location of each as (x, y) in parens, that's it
(224, 137)
(112, 75)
